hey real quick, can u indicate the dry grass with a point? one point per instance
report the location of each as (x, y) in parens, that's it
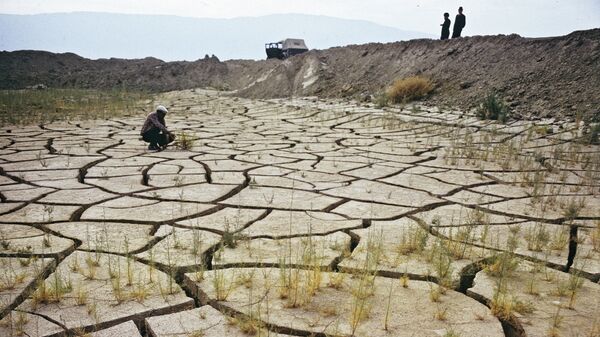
(409, 89)
(185, 141)
(23, 107)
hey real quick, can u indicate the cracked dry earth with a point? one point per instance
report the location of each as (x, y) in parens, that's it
(300, 217)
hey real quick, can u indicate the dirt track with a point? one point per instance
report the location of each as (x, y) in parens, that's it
(537, 77)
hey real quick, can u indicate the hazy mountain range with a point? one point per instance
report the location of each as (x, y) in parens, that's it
(105, 35)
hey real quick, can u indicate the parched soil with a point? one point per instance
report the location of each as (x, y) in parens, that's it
(537, 77)
(297, 217)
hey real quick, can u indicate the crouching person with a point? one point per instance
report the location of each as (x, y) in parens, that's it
(154, 130)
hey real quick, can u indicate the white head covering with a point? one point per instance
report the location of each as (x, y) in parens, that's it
(162, 109)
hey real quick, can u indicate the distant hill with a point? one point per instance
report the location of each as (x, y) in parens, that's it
(104, 35)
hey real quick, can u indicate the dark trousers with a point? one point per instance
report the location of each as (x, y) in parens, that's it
(155, 137)
(445, 34)
(456, 33)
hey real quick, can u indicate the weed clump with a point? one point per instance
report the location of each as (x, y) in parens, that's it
(504, 306)
(185, 141)
(592, 134)
(409, 89)
(502, 265)
(381, 100)
(493, 108)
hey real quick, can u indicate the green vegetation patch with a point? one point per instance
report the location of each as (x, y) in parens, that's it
(492, 107)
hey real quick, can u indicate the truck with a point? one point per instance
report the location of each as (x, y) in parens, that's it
(285, 48)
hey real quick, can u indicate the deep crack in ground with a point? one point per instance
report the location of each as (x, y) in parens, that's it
(301, 217)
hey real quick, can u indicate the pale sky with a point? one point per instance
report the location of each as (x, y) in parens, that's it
(525, 17)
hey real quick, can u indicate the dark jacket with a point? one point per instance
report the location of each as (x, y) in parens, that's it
(154, 121)
(446, 29)
(460, 22)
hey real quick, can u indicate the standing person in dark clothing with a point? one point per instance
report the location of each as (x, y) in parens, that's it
(459, 23)
(446, 27)
(154, 130)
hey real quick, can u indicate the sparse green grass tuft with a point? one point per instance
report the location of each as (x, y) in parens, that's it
(381, 100)
(185, 141)
(592, 134)
(505, 306)
(451, 333)
(493, 108)
(501, 265)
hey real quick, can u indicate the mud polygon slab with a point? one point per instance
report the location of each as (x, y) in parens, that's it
(369, 210)
(329, 309)
(283, 182)
(588, 250)
(537, 286)
(321, 180)
(72, 183)
(124, 184)
(527, 208)
(460, 177)
(25, 194)
(23, 240)
(173, 180)
(420, 182)
(370, 191)
(263, 158)
(225, 178)
(6, 207)
(6, 181)
(375, 171)
(280, 198)
(78, 196)
(314, 250)
(453, 215)
(127, 329)
(229, 165)
(390, 243)
(205, 321)
(182, 248)
(286, 223)
(18, 323)
(106, 236)
(135, 162)
(164, 168)
(109, 299)
(45, 175)
(18, 275)
(53, 163)
(270, 171)
(502, 190)
(195, 193)
(546, 242)
(127, 208)
(467, 197)
(226, 220)
(37, 213)
(114, 171)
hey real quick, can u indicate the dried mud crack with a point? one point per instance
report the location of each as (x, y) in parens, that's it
(300, 217)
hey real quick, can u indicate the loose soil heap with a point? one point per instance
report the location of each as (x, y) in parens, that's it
(538, 77)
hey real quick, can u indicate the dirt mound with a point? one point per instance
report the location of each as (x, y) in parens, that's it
(537, 77)
(22, 68)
